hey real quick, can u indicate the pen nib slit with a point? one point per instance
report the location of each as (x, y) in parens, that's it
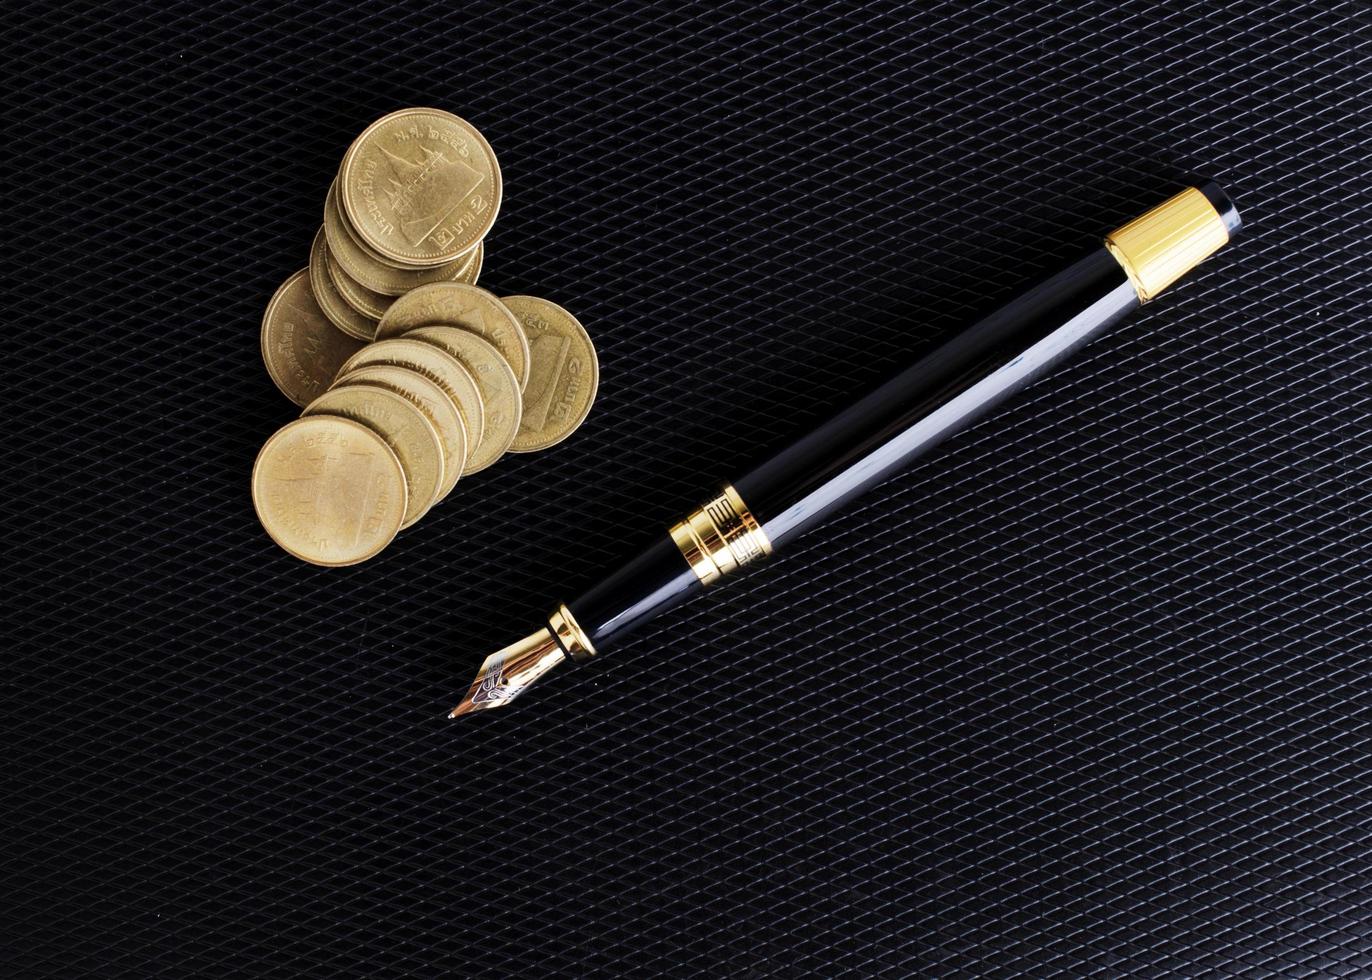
(509, 672)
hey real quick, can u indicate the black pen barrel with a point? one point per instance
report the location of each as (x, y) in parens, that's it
(936, 397)
(941, 394)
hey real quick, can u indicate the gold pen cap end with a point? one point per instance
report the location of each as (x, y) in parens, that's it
(1159, 247)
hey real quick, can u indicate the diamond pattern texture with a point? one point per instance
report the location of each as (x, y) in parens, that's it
(1086, 694)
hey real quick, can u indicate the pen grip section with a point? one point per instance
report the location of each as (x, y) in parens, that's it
(656, 580)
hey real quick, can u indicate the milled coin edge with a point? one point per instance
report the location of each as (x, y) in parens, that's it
(451, 473)
(371, 350)
(500, 360)
(321, 283)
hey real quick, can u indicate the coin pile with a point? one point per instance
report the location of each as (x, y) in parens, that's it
(410, 375)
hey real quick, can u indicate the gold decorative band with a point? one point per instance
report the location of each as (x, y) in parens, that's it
(720, 536)
(570, 634)
(1158, 248)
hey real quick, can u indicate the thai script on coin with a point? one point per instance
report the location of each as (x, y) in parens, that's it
(564, 374)
(382, 275)
(301, 347)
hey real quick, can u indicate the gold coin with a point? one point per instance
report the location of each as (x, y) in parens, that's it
(439, 367)
(420, 186)
(430, 399)
(455, 304)
(564, 378)
(368, 302)
(373, 272)
(471, 272)
(494, 378)
(343, 316)
(300, 346)
(328, 490)
(429, 273)
(404, 428)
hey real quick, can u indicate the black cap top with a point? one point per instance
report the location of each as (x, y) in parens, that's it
(1221, 202)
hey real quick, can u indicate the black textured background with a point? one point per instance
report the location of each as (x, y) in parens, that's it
(1087, 694)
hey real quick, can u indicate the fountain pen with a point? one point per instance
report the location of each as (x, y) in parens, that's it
(942, 393)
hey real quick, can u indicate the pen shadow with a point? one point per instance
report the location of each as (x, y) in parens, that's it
(747, 373)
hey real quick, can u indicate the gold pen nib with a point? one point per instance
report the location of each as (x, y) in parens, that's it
(507, 673)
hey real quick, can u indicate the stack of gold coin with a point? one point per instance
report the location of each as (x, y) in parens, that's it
(409, 374)
(414, 197)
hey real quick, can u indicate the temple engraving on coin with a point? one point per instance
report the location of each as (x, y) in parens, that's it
(423, 193)
(420, 186)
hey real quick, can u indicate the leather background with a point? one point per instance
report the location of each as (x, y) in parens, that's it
(1086, 694)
